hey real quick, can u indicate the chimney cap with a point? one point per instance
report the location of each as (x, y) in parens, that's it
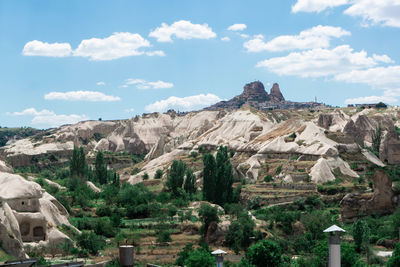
(334, 228)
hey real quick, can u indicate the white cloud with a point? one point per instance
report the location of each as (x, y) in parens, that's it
(316, 5)
(143, 85)
(49, 118)
(319, 62)
(101, 83)
(237, 27)
(225, 39)
(182, 29)
(373, 12)
(32, 112)
(243, 35)
(129, 110)
(183, 103)
(370, 99)
(385, 12)
(119, 44)
(156, 53)
(386, 78)
(91, 96)
(315, 37)
(38, 48)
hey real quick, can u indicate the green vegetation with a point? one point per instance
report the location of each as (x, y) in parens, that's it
(218, 173)
(9, 133)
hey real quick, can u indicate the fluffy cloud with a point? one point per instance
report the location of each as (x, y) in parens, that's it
(319, 62)
(49, 118)
(237, 27)
(38, 48)
(92, 96)
(370, 99)
(316, 37)
(142, 84)
(225, 39)
(384, 12)
(316, 5)
(119, 44)
(182, 29)
(387, 78)
(101, 83)
(183, 103)
(156, 53)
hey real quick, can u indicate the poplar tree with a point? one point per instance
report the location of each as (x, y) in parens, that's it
(209, 174)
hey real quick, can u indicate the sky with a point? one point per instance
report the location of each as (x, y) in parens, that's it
(70, 60)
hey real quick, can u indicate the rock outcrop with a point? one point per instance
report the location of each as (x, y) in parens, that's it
(276, 94)
(381, 201)
(28, 214)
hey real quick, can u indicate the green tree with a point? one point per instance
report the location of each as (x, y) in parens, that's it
(265, 253)
(183, 255)
(175, 177)
(224, 177)
(207, 215)
(349, 257)
(209, 177)
(92, 242)
(200, 258)
(361, 234)
(376, 139)
(190, 182)
(77, 163)
(394, 261)
(100, 168)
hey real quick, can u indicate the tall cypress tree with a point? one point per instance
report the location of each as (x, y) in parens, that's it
(209, 177)
(82, 162)
(100, 168)
(190, 182)
(73, 163)
(175, 177)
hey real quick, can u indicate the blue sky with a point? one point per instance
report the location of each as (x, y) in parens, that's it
(65, 61)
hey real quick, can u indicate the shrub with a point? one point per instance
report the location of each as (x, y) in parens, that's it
(164, 236)
(91, 242)
(194, 154)
(103, 211)
(104, 227)
(208, 215)
(278, 170)
(268, 178)
(265, 253)
(158, 174)
(145, 176)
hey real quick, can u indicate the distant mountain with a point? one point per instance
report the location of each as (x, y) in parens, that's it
(254, 95)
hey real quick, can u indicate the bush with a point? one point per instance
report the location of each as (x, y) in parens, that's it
(208, 215)
(268, 178)
(145, 176)
(194, 154)
(164, 236)
(278, 170)
(199, 258)
(395, 259)
(91, 242)
(265, 253)
(104, 227)
(103, 211)
(158, 174)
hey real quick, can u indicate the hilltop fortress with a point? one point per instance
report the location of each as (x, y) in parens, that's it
(254, 95)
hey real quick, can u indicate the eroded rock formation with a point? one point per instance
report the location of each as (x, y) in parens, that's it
(381, 201)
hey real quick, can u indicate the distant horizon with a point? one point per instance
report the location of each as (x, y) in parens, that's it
(68, 61)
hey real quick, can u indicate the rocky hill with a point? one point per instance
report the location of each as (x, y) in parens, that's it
(280, 156)
(254, 95)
